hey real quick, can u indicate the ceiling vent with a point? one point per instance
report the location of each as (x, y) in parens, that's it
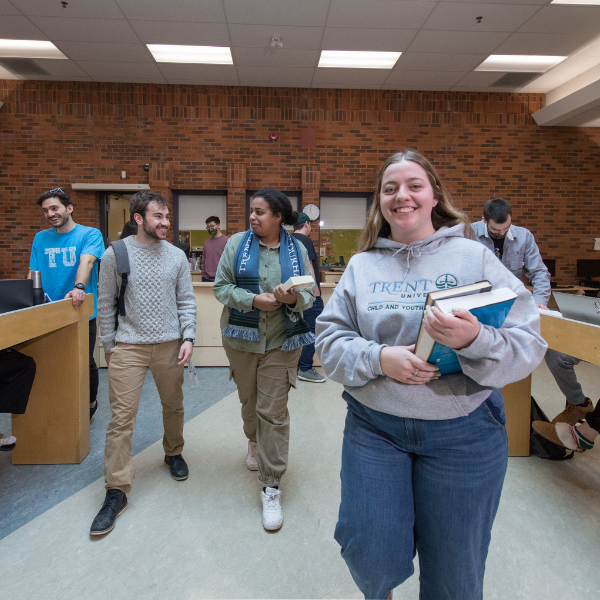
(515, 80)
(22, 67)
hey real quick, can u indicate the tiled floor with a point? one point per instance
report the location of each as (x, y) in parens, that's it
(203, 538)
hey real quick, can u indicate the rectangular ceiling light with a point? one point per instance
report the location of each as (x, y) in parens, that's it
(345, 59)
(29, 49)
(519, 63)
(580, 2)
(208, 55)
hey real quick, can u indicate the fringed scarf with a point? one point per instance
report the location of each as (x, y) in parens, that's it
(245, 324)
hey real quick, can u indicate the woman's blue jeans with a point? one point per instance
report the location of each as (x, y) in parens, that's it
(432, 488)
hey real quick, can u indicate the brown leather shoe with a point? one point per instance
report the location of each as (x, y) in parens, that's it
(548, 431)
(574, 413)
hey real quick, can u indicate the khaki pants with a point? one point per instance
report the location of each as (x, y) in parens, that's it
(126, 372)
(263, 382)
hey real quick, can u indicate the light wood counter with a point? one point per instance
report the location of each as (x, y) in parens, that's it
(55, 428)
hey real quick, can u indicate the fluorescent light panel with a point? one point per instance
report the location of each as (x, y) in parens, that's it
(519, 63)
(580, 2)
(209, 55)
(29, 49)
(345, 59)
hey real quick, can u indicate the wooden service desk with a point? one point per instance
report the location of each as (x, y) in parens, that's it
(208, 348)
(55, 428)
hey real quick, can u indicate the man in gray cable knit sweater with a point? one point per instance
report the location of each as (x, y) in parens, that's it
(160, 310)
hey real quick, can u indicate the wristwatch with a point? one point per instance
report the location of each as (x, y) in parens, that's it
(79, 286)
(189, 340)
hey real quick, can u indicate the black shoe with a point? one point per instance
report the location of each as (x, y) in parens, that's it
(93, 408)
(114, 505)
(178, 467)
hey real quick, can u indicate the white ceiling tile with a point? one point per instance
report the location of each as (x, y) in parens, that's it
(444, 79)
(576, 65)
(277, 12)
(550, 44)
(537, 2)
(60, 68)
(19, 28)
(100, 51)
(480, 79)
(112, 69)
(375, 40)
(464, 42)
(251, 83)
(91, 9)
(299, 76)
(204, 11)
(280, 57)
(201, 81)
(495, 17)
(438, 61)
(6, 8)
(54, 78)
(416, 88)
(357, 77)
(346, 86)
(85, 30)
(200, 72)
(186, 34)
(384, 14)
(259, 36)
(110, 79)
(548, 81)
(564, 19)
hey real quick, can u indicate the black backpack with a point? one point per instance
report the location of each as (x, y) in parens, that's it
(122, 258)
(540, 446)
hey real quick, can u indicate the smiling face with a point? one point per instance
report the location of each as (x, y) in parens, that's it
(154, 224)
(262, 221)
(407, 199)
(58, 214)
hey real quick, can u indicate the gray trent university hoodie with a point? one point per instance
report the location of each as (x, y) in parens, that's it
(379, 302)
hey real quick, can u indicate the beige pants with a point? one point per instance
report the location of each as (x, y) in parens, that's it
(263, 382)
(126, 372)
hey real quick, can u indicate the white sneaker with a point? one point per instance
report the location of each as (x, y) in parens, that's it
(251, 458)
(272, 513)
(7, 442)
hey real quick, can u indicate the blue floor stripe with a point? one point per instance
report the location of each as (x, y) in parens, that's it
(27, 491)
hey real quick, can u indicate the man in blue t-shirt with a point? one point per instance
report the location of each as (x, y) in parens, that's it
(67, 255)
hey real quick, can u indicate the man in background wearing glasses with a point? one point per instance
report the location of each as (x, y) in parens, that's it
(67, 255)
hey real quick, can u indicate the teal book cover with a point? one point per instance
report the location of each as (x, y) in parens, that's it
(446, 360)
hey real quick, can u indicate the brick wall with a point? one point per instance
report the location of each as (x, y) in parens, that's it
(215, 138)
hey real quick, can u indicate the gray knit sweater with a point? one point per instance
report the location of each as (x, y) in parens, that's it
(159, 299)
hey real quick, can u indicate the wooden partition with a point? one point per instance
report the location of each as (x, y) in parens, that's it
(55, 428)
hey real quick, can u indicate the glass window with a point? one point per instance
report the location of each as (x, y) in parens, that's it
(342, 219)
(194, 209)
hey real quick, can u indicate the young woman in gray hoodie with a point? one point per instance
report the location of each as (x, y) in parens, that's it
(424, 456)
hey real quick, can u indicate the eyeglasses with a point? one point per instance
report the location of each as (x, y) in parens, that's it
(57, 190)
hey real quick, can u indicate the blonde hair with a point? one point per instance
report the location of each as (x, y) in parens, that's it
(444, 213)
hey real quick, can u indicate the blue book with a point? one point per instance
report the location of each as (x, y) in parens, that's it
(490, 308)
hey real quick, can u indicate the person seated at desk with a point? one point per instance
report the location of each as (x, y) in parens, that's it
(516, 249)
(578, 438)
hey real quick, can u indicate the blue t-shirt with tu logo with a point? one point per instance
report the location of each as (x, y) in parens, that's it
(57, 256)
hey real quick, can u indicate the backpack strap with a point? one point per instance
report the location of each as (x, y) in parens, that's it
(120, 250)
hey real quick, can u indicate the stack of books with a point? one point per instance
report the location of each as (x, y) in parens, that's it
(489, 306)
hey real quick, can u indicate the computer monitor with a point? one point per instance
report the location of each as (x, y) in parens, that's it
(15, 294)
(588, 268)
(550, 265)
